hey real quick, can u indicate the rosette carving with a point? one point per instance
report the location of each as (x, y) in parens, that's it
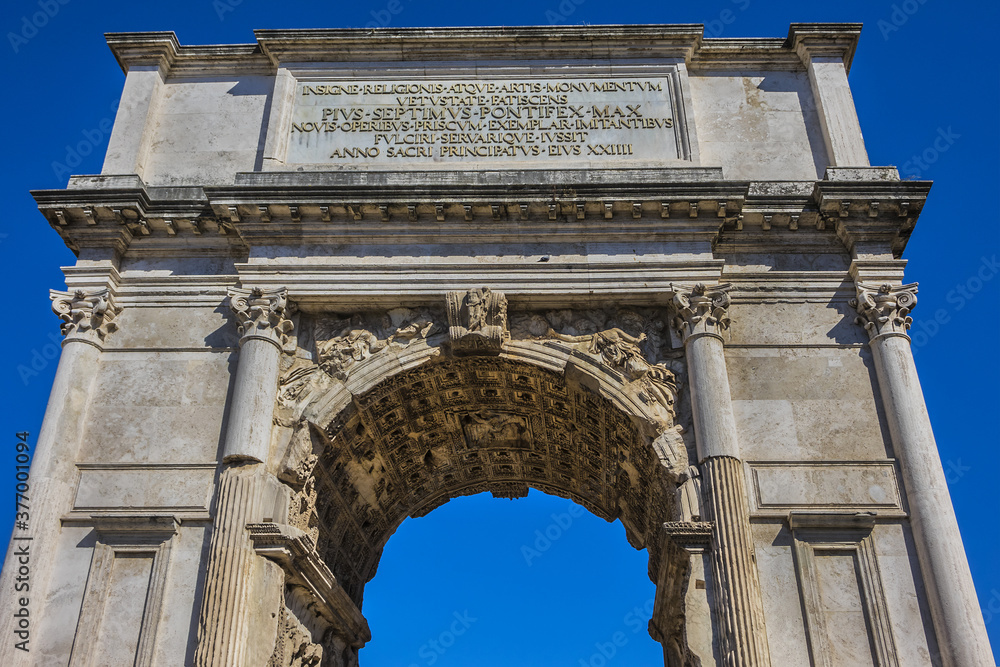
(261, 313)
(85, 312)
(701, 310)
(885, 309)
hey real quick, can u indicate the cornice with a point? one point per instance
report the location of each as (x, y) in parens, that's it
(830, 40)
(870, 217)
(681, 42)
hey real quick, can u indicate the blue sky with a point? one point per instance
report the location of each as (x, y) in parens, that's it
(926, 82)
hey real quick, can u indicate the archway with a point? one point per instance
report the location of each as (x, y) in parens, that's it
(383, 426)
(492, 582)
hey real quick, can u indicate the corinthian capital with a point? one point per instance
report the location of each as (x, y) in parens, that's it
(701, 310)
(88, 314)
(885, 309)
(261, 313)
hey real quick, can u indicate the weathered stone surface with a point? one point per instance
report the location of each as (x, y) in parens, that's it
(279, 346)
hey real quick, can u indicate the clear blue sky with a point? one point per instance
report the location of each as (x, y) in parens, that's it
(926, 82)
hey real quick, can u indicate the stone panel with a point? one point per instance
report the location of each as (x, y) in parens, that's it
(157, 407)
(777, 487)
(161, 487)
(759, 126)
(207, 130)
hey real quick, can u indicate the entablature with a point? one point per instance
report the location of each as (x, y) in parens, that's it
(873, 218)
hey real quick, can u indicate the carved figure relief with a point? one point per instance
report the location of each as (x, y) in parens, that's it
(618, 348)
(342, 343)
(336, 356)
(477, 320)
(294, 646)
(491, 429)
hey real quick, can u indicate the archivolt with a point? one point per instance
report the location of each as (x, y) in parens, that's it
(412, 427)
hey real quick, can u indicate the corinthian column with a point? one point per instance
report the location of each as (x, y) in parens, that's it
(246, 492)
(961, 633)
(701, 316)
(87, 319)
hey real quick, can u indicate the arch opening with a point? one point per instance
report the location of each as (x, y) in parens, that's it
(489, 582)
(380, 427)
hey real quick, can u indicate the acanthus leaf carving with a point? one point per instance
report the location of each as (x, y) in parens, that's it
(86, 313)
(477, 320)
(885, 309)
(262, 313)
(700, 310)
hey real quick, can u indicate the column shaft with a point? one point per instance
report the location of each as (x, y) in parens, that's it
(711, 402)
(222, 630)
(247, 493)
(734, 564)
(248, 433)
(701, 316)
(958, 621)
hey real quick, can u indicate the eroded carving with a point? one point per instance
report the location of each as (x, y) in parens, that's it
(701, 310)
(344, 342)
(262, 313)
(85, 312)
(495, 429)
(467, 425)
(885, 309)
(294, 646)
(477, 320)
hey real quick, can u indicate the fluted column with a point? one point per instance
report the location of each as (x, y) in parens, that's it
(958, 621)
(87, 319)
(701, 314)
(246, 492)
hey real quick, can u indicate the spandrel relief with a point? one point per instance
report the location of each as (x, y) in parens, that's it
(342, 342)
(632, 342)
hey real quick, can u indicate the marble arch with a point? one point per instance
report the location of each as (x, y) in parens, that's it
(387, 416)
(641, 267)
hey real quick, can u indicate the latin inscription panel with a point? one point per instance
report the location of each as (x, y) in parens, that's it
(553, 122)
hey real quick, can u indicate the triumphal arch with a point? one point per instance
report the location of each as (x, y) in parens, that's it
(333, 279)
